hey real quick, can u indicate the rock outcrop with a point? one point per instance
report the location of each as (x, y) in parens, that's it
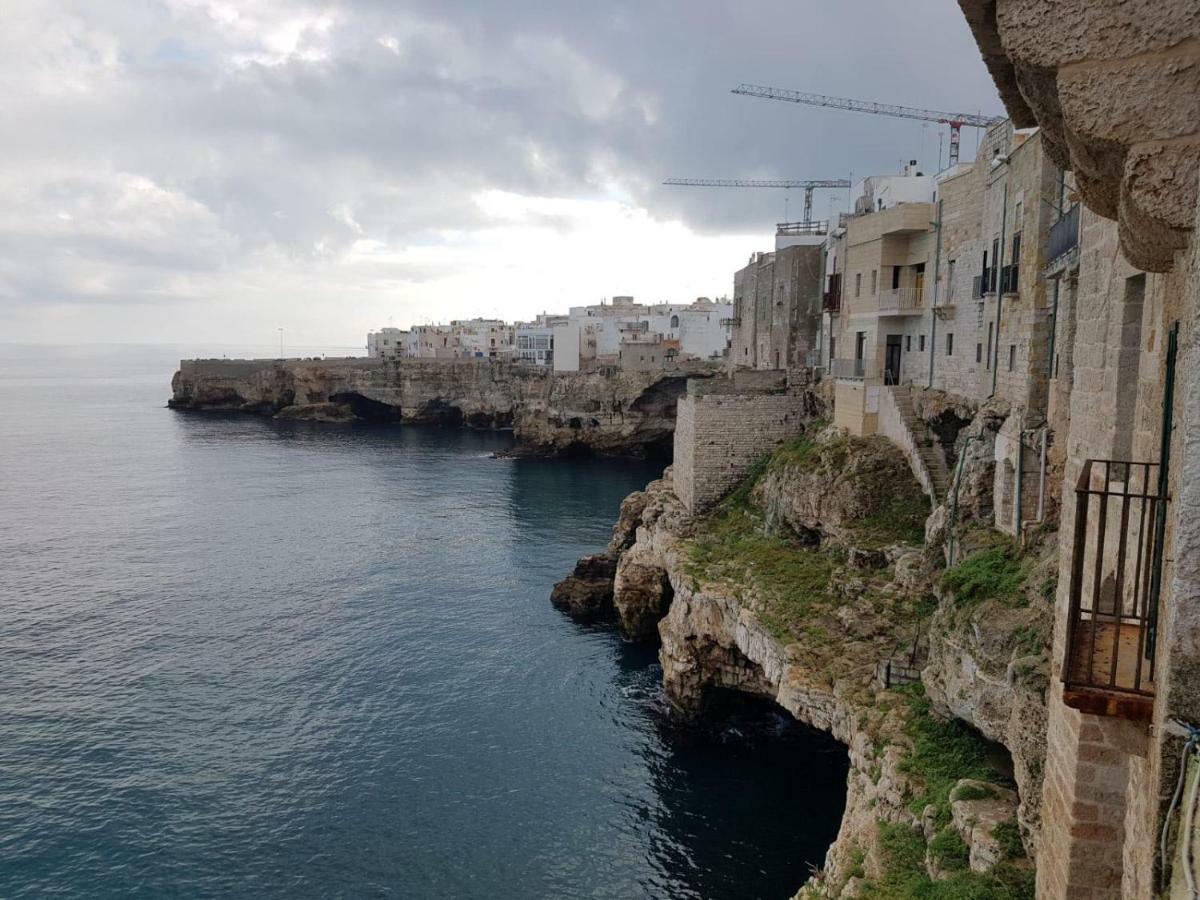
(607, 411)
(795, 590)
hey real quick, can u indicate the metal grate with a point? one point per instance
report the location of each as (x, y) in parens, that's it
(1110, 641)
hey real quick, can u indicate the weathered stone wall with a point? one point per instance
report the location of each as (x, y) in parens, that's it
(723, 428)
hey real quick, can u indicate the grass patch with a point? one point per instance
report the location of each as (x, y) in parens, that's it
(799, 453)
(899, 520)
(904, 877)
(791, 580)
(949, 851)
(973, 792)
(997, 572)
(1008, 836)
(942, 754)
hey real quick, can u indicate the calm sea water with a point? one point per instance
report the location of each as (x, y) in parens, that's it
(242, 659)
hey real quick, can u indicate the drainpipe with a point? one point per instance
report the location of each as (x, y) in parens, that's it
(1020, 484)
(1053, 328)
(937, 273)
(1041, 515)
(999, 286)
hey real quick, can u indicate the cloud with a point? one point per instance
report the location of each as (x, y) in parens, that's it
(217, 165)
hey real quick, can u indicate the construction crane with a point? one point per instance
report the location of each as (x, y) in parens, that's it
(808, 186)
(954, 120)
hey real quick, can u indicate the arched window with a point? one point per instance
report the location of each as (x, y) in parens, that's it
(674, 321)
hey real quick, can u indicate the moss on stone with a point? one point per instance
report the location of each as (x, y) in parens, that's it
(948, 851)
(1008, 837)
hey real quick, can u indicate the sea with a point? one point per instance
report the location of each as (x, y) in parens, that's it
(242, 658)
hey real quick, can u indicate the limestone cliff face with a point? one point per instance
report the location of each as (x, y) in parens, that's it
(711, 591)
(603, 412)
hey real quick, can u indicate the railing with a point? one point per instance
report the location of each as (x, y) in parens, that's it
(853, 368)
(1113, 602)
(977, 286)
(802, 228)
(901, 300)
(1064, 235)
(735, 320)
(831, 302)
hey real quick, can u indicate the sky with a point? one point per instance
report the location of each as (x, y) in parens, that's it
(215, 170)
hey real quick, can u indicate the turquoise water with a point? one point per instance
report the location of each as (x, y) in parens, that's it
(244, 659)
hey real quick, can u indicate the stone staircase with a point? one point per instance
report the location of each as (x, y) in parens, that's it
(930, 453)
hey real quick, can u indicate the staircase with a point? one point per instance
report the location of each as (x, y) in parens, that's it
(930, 454)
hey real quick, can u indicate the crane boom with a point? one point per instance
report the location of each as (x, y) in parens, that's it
(954, 120)
(808, 186)
(758, 182)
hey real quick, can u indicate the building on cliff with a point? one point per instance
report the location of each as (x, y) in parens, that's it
(1088, 322)
(776, 312)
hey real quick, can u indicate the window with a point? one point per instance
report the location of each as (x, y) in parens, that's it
(832, 345)
(949, 343)
(674, 321)
(1012, 356)
(989, 346)
(860, 344)
(921, 343)
(895, 277)
(908, 343)
(874, 281)
(979, 353)
(950, 281)
(858, 284)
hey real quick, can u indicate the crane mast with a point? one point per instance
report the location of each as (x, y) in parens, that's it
(807, 186)
(955, 120)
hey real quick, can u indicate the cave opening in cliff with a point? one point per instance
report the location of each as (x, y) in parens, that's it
(367, 409)
(766, 776)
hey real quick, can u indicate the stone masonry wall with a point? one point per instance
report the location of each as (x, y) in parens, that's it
(719, 436)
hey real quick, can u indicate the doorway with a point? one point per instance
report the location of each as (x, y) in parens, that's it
(891, 360)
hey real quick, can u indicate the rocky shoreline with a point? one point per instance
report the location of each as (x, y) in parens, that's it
(608, 412)
(801, 589)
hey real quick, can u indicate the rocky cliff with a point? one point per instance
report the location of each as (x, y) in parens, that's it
(608, 411)
(812, 586)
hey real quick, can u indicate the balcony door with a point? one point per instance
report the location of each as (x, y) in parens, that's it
(891, 360)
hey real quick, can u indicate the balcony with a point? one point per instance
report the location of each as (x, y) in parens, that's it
(733, 322)
(831, 302)
(1064, 236)
(901, 301)
(1116, 568)
(854, 369)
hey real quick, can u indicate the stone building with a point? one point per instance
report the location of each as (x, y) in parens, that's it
(1114, 88)
(776, 307)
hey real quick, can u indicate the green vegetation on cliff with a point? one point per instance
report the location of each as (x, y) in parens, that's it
(996, 572)
(905, 877)
(943, 753)
(894, 506)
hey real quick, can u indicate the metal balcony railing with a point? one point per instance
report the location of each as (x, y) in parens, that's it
(1064, 235)
(802, 228)
(902, 300)
(731, 322)
(853, 368)
(831, 302)
(1108, 667)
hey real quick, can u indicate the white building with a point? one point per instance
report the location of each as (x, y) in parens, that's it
(386, 342)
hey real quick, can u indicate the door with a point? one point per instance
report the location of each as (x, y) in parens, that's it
(891, 361)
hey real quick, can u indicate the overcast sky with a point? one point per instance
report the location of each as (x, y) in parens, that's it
(212, 170)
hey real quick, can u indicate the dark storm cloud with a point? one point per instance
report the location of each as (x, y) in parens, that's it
(182, 135)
